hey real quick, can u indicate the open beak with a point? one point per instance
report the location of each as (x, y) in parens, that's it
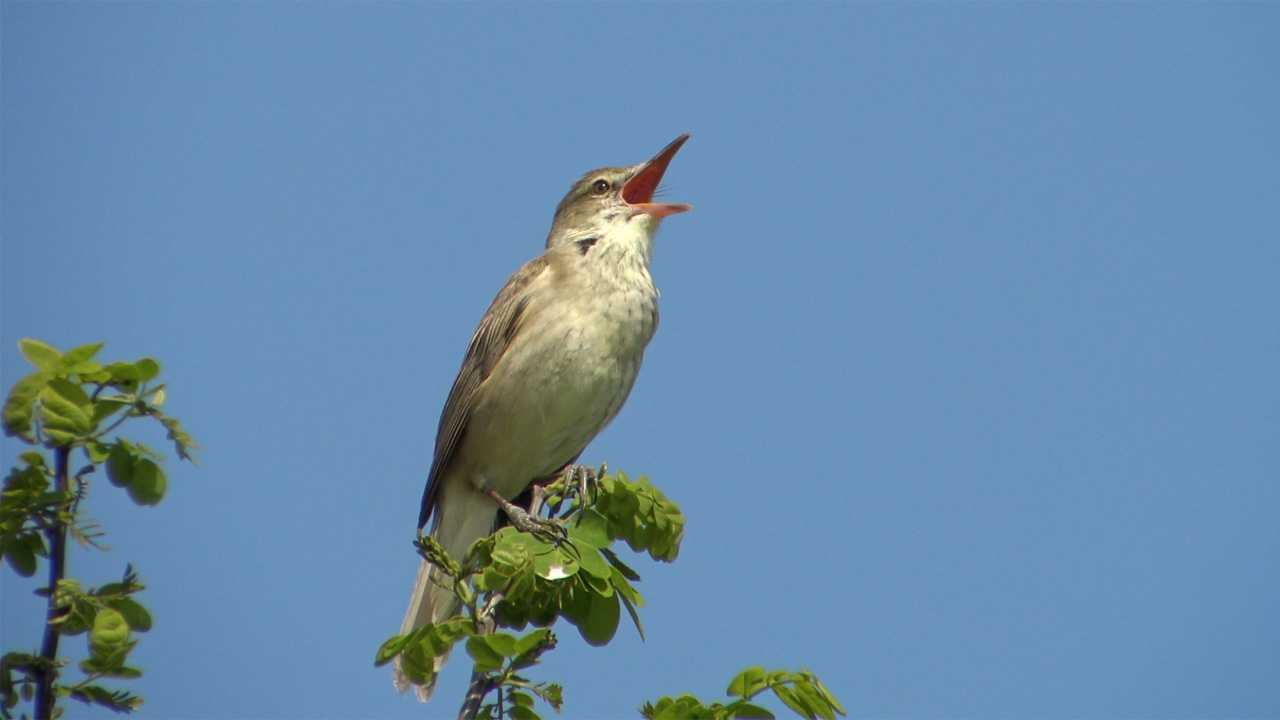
(638, 190)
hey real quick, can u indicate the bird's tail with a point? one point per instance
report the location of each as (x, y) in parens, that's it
(463, 519)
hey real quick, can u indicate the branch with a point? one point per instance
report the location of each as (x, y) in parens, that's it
(481, 683)
(57, 535)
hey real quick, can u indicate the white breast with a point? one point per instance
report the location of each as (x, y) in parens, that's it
(568, 373)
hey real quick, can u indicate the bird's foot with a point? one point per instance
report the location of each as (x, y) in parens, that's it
(546, 530)
(583, 478)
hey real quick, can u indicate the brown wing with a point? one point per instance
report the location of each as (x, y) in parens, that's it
(493, 336)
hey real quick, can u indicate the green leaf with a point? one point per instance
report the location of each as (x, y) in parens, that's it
(592, 529)
(390, 649)
(116, 700)
(134, 613)
(522, 699)
(554, 564)
(120, 461)
(109, 633)
(602, 621)
(624, 588)
(78, 355)
(622, 567)
(685, 707)
(183, 443)
(42, 355)
(602, 586)
(575, 604)
(18, 406)
(552, 694)
(33, 458)
(520, 712)
(644, 506)
(747, 683)
(21, 558)
(65, 411)
(501, 643)
(824, 692)
(98, 452)
(814, 699)
(416, 663)
(123, 373)
(34, 542)
(748, 710)
(149, 483)
(631, 610)
(70, 392)
(106, 406)
(147, 368)
(485, 657)
(532, 640)
(793, 701)
(593, 563)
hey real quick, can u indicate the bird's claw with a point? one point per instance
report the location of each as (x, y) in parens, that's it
(548, 531)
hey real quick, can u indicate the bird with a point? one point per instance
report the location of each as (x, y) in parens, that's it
(550, 364)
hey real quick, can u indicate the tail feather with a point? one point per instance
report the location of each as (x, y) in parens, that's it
(463, 519)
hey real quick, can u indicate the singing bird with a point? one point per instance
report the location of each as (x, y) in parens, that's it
(550, 364)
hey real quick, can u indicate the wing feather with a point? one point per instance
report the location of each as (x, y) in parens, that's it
(499, 326)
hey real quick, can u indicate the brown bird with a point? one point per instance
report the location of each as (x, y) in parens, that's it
(549, 366)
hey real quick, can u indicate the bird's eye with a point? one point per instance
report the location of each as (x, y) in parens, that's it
(600, 187)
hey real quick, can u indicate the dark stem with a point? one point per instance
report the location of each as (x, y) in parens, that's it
(481, 683)
(57, 535)
(480, 686)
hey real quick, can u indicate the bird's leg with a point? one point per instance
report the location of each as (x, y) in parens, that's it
(548, 530)
(537, 494)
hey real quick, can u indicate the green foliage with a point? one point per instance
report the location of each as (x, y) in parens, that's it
(641, 515)
(801, 691)
(513, 579)
(28, 507)
(73, 404)
(70, 396)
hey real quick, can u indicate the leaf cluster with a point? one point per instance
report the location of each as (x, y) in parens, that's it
(502, 656)
(29, 506)
(109, 615)
(513, 579)
(580, 579)
(71, 399)
(801, 691)
(641, 515)
(73, 402)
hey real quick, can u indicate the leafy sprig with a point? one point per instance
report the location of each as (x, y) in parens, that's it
(801, 691)
(514, 580)
(72, 403)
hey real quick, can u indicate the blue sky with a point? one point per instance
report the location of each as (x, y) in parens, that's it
(966, 378)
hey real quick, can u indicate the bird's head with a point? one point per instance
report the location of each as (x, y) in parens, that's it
(611, 196)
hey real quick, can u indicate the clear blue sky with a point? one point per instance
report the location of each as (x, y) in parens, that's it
(966, 378)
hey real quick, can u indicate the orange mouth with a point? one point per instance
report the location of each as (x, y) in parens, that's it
(638, 190)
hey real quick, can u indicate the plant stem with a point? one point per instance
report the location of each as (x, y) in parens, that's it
(481, 684)
(57, 535)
